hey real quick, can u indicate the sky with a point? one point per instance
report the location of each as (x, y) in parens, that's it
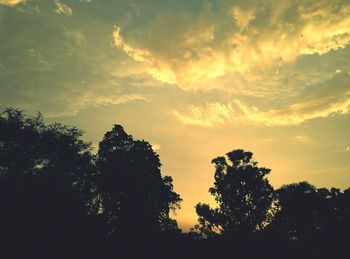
(195, 78)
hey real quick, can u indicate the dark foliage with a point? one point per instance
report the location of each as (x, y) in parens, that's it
(135, 198)
(243, 194)
(58, 200)
(315, 221)
(252, 220)
(43, 187)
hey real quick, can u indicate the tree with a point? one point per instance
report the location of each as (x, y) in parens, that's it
(297, 215)
(243, 194)
(315, 221)
(28, 147)
(305, 211)
(135, 197)
(45, 192)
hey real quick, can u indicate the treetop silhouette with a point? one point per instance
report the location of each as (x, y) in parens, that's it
(243, 194)
(135, 195)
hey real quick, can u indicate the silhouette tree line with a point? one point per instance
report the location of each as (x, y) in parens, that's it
(60, 200)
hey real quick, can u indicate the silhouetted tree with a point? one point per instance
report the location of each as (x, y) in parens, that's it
(316, 221)
(136, 199)
(243, 194)
(58, 200)
(298, 213)
(305, 210)
(44, 187)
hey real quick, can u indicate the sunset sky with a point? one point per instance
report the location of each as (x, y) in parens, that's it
(195, 78)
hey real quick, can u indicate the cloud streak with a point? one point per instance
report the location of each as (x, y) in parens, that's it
(216, 114)
(93, 101)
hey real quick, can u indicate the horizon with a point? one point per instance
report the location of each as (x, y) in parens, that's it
(196, 79)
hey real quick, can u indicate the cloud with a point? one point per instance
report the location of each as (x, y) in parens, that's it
(62, 65)
(303, 139)
(243, 17)
(11, 2)
(155, 146)
(246, 40)
(62, 8)
(266, 58)
(166, 56)
(93, 100)
(216, 114)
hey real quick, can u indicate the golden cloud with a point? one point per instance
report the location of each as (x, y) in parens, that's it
(215, 114)
(186, 49)
(11, 2)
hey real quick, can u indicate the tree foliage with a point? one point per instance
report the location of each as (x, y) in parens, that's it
(306, 212)
(59, 200)
(243, 194)
(135, 197)
(44, 184)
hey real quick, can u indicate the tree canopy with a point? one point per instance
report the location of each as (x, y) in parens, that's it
(135, 196)
(44, 184)
(60, 200)
(305, 211)
(243, 194)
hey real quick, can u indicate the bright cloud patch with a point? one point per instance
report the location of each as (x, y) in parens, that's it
(62, 8)
(11, 2)
(215, 114)
(186, 48)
